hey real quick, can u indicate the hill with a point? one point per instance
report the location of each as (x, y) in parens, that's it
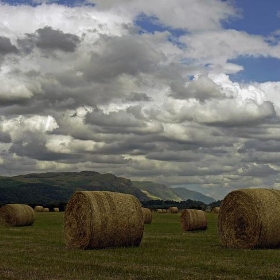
(162, 192)
(156, 191)
(185, 194)
(54, 187)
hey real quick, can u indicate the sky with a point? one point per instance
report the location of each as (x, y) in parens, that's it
(184, 92)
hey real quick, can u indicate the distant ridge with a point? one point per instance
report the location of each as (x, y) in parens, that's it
(55, 187)
(162, 192)
(60, 186)
(185, 194)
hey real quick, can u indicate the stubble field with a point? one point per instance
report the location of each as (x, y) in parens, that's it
(166, 252)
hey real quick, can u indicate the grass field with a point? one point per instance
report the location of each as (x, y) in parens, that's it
(166, 252)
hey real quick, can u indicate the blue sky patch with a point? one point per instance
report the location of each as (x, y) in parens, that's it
(260, 69)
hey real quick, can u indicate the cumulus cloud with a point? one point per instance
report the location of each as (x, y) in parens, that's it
(84, 88)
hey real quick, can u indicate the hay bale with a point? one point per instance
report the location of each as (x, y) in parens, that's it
(39, 208)
(17, 215)
(192, 219)
(46, 209)
(147, 215)
(173, 210)
(101, 219)
(250, 218)
(216, 210)
(56, 209)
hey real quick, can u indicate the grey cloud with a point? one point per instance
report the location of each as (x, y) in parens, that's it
(49, 39)
(5, 137)
(248, 115)
(263, 146)
(6, 46)
(113, 119)
(137, 96)
(120, 55)
(202, 89)
(259, 171)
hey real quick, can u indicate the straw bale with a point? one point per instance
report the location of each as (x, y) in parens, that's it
(56, 209)
(216, 210)
(101, 219)
(173, 210)
(46, 209)
(192, 219)
(250, 218)
(39, 208)
(17, 215)
(147, 215)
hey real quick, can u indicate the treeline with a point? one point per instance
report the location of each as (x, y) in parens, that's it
(151, 204)
(165, 204)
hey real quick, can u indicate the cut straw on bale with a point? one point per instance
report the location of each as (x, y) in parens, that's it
(46, 209)
(250, 218)
(101, 219)
(56, 209)
(17, 215)
(173, 210)
(39, 208)
(147, 215)
(192, 219)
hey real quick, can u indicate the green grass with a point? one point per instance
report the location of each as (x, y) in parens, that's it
(166, 252)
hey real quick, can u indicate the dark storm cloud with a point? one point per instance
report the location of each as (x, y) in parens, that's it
(6, 46)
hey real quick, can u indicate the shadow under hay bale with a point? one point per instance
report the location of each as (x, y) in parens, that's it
(101, 219)
(250, 218)
(192, 219)
(17, 215)
(147, 215)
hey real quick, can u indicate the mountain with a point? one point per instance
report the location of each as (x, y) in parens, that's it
(54, 187)
(162, 192)
(185, 194)
(156, 191)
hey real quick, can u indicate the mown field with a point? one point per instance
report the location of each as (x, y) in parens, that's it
(166, 252)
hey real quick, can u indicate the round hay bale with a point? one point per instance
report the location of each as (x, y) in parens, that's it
(173, 210)
(192, 219)
(147, 215)
(46, 209)
(56, 209)
(17, 215)
(39, 208)
(250, 218)
(101, 219)
(216, 210)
